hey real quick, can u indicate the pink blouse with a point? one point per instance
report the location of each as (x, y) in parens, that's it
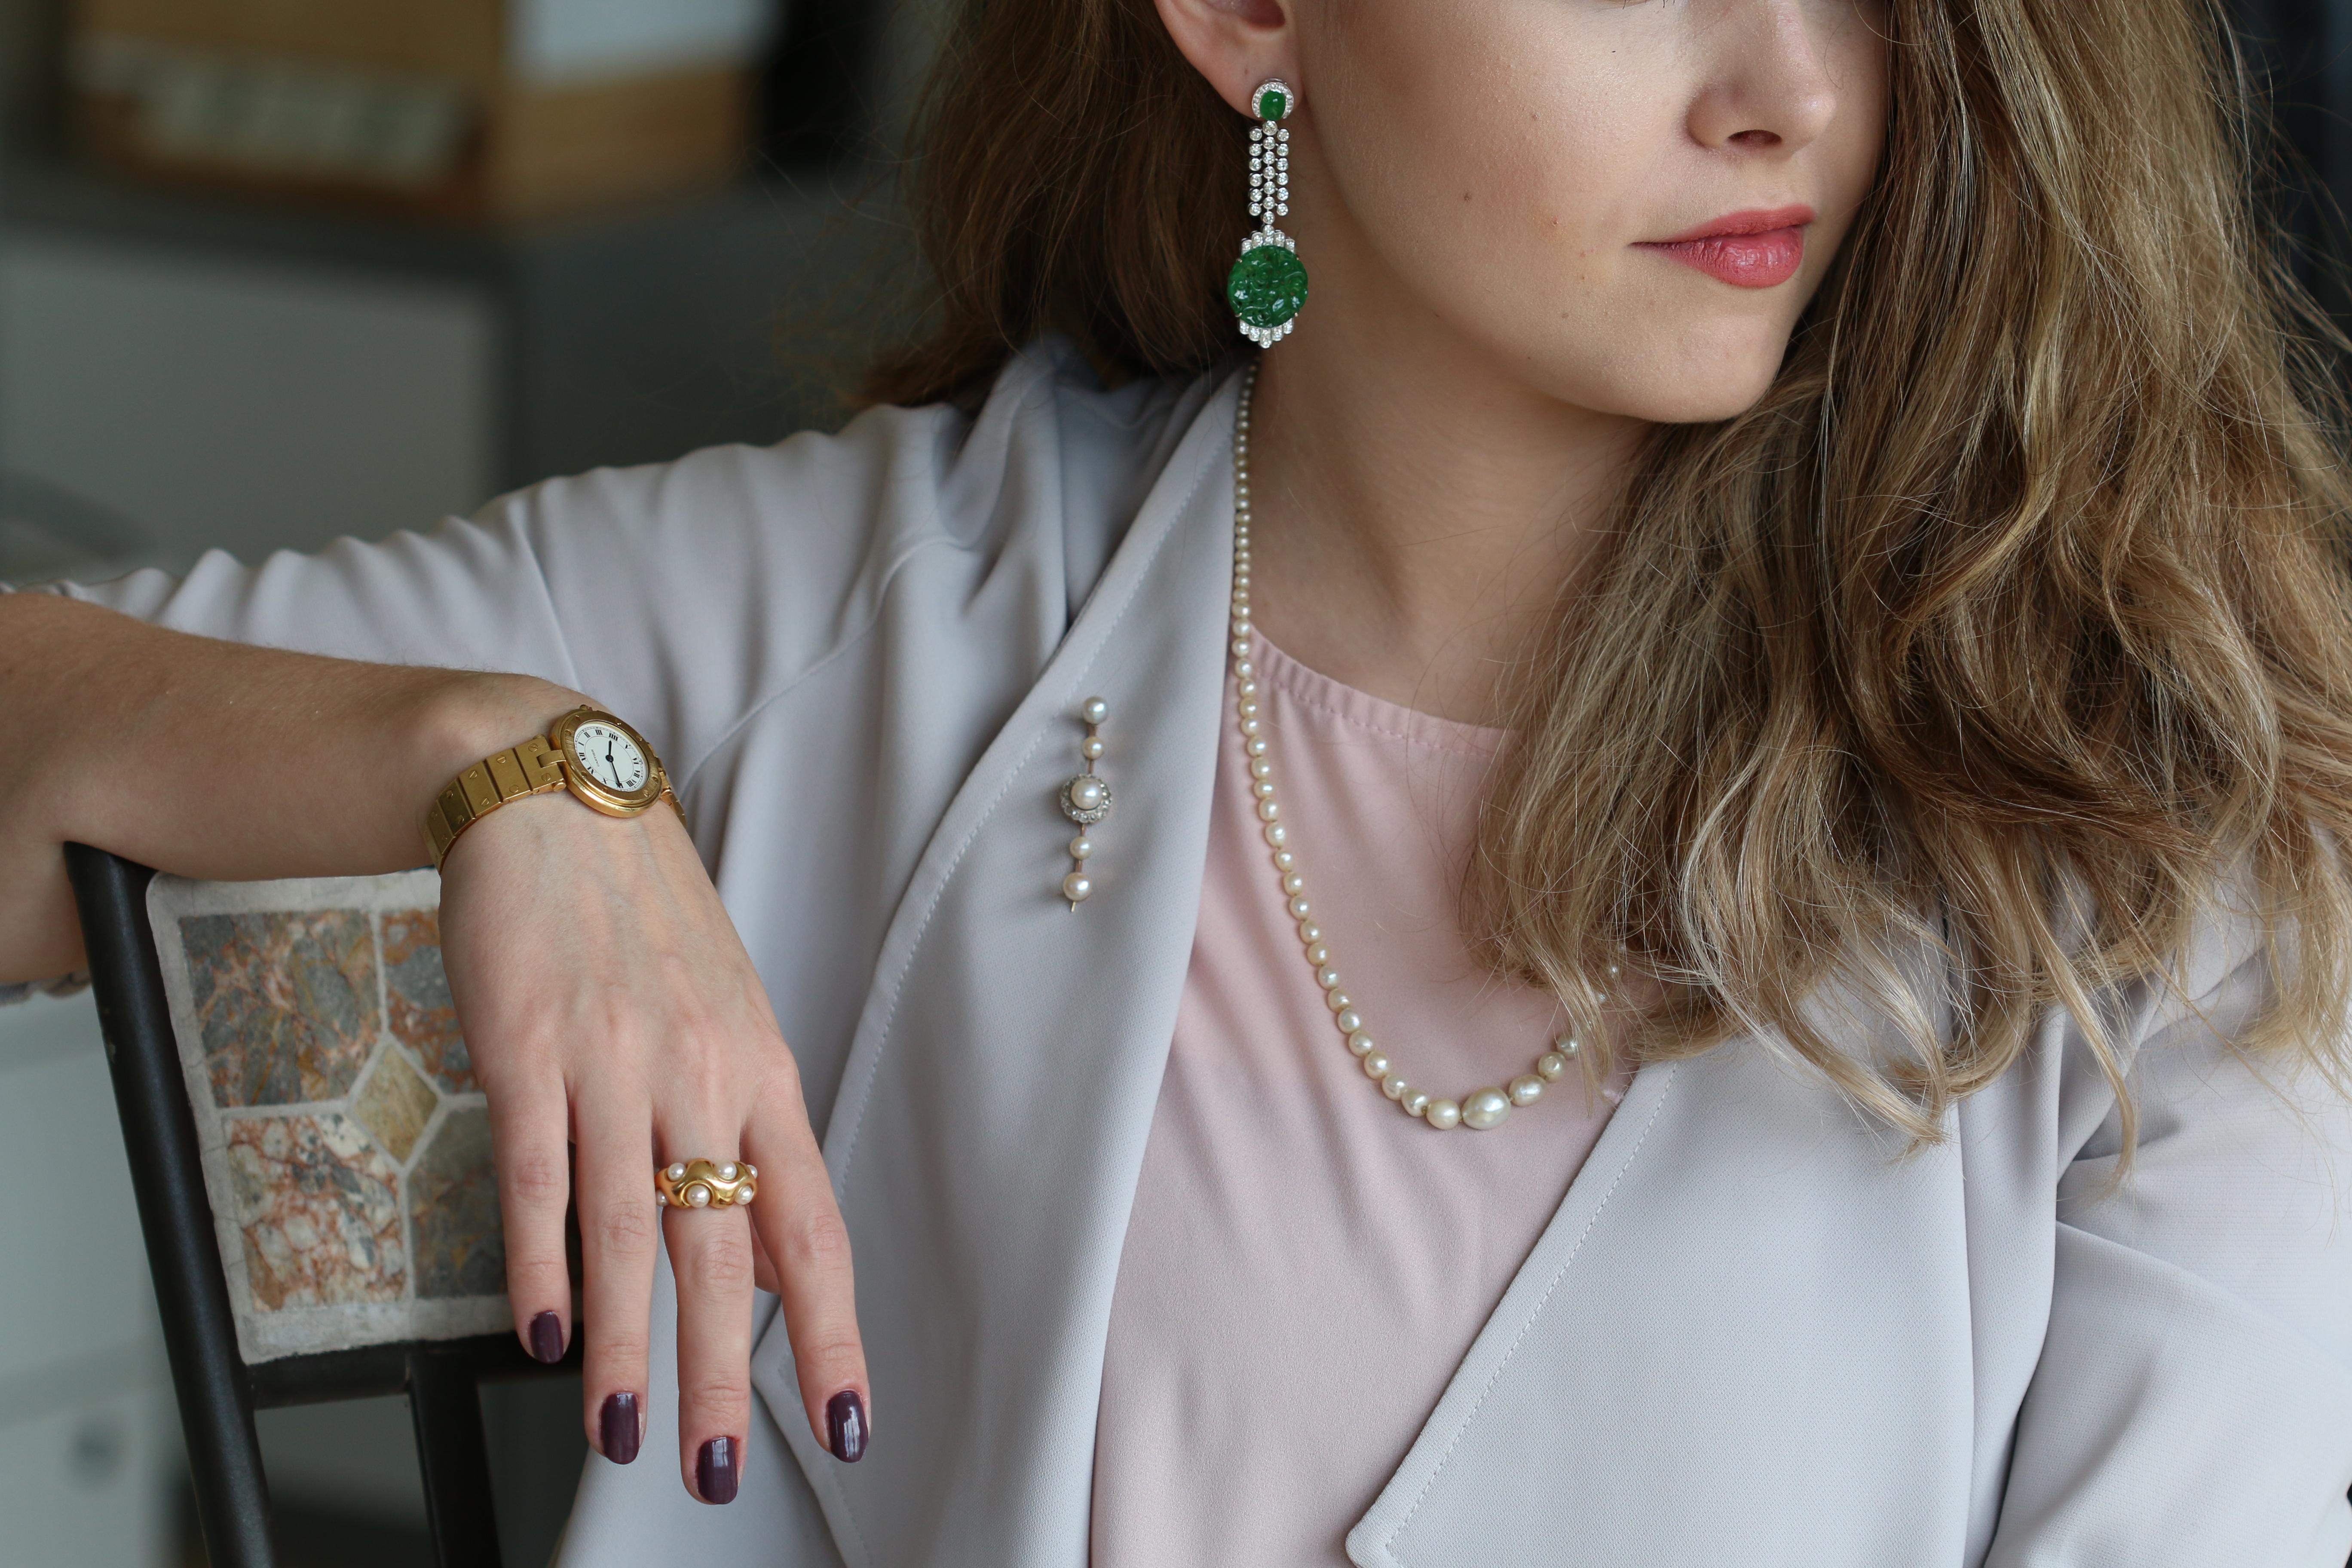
(1306, 1265)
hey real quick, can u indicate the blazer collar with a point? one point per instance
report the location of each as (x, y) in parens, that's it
(1000, 1088)
(1748, 1304)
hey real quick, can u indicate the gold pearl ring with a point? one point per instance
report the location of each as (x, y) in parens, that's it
(706, 1184)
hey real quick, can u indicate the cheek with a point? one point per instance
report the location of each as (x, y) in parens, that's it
(1504, 200)
(1532, 163)
(1496, 162)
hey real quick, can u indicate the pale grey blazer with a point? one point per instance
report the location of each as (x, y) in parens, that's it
(1753, 1333)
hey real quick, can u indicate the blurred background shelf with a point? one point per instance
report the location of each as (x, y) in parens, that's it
(223, 372)
(265, 368)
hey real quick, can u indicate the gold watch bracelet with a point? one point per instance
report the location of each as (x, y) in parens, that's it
(533, 767)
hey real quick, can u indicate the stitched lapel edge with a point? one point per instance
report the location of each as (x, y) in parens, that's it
(1201, 455)
(1371, 1543)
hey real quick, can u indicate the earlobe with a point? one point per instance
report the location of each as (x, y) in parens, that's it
(1235, 44)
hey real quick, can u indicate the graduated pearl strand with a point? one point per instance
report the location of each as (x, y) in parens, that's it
(1481, 1108)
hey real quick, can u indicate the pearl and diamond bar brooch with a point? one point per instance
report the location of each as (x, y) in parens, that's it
(1086, 801)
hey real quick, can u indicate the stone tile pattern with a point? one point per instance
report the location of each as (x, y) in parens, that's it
(396, 1105)
(416, 992)
(320, 1207)
(287, 1003)
(453, 1203)
(382, 1196)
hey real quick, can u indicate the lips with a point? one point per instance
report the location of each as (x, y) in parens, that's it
(1756, 249)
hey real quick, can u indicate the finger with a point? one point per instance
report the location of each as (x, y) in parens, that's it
(619, 1229)
(710, 1254)
(528, 1146)
(801, 1231)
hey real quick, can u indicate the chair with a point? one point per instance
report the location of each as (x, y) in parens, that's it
(360, 1221)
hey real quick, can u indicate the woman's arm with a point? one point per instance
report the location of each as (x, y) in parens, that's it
(216, 759)
(603, 991)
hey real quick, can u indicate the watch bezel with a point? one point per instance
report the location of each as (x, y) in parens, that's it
(585, 787)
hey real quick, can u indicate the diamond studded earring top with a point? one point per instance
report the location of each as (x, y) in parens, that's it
(1268, 287)
(1086, 800)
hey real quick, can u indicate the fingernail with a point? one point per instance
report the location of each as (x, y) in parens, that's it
(714, 1470)
(618, 1426)
(547, 1338)
(844, 1425)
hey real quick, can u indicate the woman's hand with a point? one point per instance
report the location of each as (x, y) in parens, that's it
(603, 991)
(607, 1001)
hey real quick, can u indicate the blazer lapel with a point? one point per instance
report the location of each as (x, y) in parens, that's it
(992, 1114)
(1758, 1305)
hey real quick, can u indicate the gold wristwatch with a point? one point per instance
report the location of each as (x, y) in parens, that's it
(606, 766)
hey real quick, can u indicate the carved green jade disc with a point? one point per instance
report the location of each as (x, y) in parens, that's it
(1267, 286)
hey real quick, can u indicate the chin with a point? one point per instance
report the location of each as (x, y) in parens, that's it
(1672, 388)
(1704, 404)
(1669, 367)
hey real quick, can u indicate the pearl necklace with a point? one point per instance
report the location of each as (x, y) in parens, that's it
(1481, 1108)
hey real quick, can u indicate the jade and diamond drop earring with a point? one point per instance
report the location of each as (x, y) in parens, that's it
(1269, 285)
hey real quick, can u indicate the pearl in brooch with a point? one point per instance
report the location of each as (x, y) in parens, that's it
(1086, 800)
(1481, 1108)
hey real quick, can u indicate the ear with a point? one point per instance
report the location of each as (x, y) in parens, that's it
(1236, 44)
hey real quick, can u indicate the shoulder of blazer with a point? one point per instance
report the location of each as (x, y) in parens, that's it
(752, 566)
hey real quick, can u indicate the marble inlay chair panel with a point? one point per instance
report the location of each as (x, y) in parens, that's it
(346, 1147)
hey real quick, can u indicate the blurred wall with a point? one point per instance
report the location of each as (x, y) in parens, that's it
(239, 403)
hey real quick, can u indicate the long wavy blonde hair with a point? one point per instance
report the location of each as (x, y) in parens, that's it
(2006, 628)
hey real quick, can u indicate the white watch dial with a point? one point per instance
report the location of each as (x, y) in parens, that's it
(609, 757)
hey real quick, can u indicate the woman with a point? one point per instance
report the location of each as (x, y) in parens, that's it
(1781, 587)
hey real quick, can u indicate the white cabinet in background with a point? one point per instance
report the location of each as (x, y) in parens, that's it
(253, 404)
(89, 1436)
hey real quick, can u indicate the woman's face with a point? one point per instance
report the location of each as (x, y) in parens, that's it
(1537, 180)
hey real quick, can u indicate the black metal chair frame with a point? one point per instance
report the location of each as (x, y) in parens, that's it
(217, 1391)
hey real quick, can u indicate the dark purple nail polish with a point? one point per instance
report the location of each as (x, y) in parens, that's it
(714, 1470)
(617, 1423)
(844, 1425)
(547, 1338)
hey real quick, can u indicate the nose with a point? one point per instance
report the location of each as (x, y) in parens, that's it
(1768, 87)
